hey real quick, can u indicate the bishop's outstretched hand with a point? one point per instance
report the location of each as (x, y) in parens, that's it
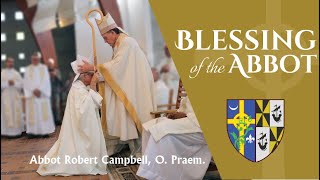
(85, 67)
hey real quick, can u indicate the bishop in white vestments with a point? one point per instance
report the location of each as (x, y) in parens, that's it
(176, 141)
(128, 88)
(12, 123)
(37, 91)
(81, 133)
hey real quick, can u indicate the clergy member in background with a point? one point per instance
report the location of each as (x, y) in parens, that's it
(12, 123)
(129, 88)
(37, 91)
(161, 90)
(169, 73)
(56, 91)
(81, 132)
(177, 135)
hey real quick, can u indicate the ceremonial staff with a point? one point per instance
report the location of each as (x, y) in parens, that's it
(93, 32)
(101, 86)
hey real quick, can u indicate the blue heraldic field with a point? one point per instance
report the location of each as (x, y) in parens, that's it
(255, 127)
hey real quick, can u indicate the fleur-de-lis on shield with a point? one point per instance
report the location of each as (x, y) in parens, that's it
(250, 139)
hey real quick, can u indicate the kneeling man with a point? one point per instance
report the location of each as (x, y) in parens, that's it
(81, 133)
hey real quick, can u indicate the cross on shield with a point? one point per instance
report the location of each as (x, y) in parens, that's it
(255, 127)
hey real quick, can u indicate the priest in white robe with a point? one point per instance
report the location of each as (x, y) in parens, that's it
(37, 91)
(128, 89)
(81, 132)
(12, 123)
(173, 137)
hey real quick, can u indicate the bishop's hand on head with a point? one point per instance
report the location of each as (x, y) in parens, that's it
(85, 67)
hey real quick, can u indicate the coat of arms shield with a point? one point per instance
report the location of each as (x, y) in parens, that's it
(255, 126)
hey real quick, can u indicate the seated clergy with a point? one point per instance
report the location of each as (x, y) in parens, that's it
(81, 132)
(175, 137)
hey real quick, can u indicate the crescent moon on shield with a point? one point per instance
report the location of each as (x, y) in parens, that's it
(233, 109)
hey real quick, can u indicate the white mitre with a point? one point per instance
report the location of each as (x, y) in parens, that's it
(78, 62)
(107, 24)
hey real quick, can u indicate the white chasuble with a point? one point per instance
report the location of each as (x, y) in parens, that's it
(80, 136)
(39, 118)
(12, 123)
(129, 90)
